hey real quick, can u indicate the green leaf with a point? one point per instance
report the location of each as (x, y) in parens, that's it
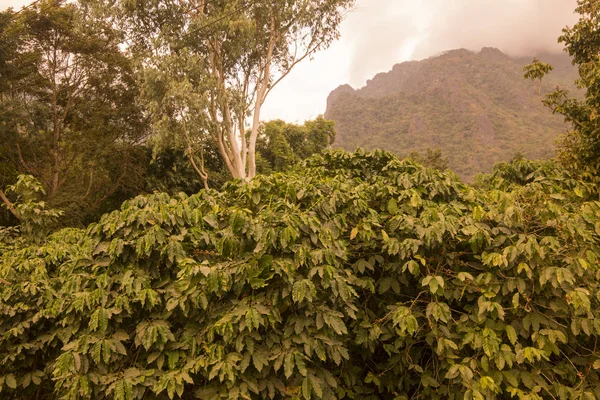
(316, 385)
(288, 365)
(259, 360)
(392, 207)
(429, 381)
(306, 389)
(337, 325)
(10, 380)
(512, 334)
(300, 364)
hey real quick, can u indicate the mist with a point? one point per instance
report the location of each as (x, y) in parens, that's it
(384, 32)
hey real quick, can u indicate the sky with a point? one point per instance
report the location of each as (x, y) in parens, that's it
(380, 33)
(377, 34)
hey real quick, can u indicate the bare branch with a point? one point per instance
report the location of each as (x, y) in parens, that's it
(200, 171)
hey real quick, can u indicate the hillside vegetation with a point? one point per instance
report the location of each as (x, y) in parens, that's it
(476, 107)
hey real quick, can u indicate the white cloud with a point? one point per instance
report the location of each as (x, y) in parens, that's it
(514, 26)
(15, 4)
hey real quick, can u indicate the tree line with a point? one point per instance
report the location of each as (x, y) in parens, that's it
(100, 103)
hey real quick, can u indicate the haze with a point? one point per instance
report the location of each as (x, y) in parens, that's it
(380, 33)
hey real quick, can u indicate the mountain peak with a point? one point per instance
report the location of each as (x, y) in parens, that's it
(476, 106)
(492, 52)
(340, 91)
(456, 53)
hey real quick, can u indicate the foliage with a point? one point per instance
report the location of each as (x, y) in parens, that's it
(580, 148)
(432, 158)
(537, 70)
(475, 107)
(35, 217)
(69, 113)
(356, 276)
(208, 68)
(281, 145)
(170, 171)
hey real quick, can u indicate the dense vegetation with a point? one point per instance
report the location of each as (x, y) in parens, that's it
(69, 114)
(476, 107)
(356, 276)
(330, 275)
(97, 122)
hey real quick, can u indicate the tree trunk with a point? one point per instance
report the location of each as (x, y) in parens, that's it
(260, 99)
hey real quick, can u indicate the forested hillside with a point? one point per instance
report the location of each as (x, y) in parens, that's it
(476, 107)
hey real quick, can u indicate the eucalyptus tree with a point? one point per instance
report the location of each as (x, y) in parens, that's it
(209, 65)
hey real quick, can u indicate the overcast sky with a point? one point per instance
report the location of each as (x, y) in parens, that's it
(380, 33)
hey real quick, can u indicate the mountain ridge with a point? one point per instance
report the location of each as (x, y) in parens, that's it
(475, 106)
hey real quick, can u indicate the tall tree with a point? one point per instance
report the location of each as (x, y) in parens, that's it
(579, 149)
(536, 72)
(69, 115)
(210, 65)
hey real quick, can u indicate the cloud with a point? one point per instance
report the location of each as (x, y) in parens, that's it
(517, 27)
(384, 32)
(377, 30)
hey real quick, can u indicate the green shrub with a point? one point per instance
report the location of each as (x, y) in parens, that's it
(358, 276)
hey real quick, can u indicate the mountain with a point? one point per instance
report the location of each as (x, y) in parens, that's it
(476, 107)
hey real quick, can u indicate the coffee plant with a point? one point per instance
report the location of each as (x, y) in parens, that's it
(356, 276)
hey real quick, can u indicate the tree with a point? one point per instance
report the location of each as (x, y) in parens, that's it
(536, 71)
(280, 145)
(210, 65)
(579, 149)
(69, 114)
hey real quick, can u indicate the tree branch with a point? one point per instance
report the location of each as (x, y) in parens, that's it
(21, 159)
(9, 205)
(89, 187)
(289, 69)
(200, 171)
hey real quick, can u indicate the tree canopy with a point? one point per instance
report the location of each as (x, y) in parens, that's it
(210, 65)
(580, 148)
(281, 145)
(69, 113)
